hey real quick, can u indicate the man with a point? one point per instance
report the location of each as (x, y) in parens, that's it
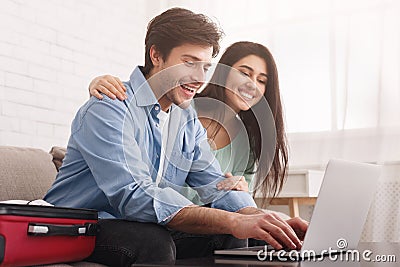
(123, 160)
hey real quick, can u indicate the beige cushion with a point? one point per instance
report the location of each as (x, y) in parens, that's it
(25, 173)
(58, 154)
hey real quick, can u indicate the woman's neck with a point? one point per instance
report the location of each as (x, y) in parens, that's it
(220, 134)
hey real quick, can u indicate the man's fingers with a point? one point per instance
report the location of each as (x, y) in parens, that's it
(299, 225)
(281, 231)
(290, 233)
(286, 224)
(267, 237)
(278, 234)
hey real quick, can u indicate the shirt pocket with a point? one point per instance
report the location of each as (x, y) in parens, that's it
(179, 166)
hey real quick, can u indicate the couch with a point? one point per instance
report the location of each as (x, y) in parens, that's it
(27, 174)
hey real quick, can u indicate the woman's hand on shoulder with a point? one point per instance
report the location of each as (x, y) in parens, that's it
(109, 85)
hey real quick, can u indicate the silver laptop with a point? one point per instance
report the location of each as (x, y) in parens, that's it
(339, 215)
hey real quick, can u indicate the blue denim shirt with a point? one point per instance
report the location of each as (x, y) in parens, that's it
(113, 155)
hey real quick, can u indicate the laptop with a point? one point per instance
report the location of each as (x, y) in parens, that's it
(339, 214)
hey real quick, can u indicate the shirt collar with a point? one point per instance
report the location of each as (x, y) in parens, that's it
(142, 91)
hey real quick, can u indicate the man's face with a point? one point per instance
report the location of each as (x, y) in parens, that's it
(182, 73)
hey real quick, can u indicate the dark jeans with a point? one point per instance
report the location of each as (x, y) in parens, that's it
(121, 243)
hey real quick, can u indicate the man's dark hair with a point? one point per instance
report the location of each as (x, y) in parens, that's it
(178, 26)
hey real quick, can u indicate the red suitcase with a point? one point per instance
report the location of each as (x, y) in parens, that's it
(32, 235)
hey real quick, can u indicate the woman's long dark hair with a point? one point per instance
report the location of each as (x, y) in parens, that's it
(274, 173)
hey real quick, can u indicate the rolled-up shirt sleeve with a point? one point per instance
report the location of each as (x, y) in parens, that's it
(106, 140)
(234, 201)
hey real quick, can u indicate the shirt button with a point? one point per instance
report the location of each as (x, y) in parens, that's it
(156, 108)
(157, 125)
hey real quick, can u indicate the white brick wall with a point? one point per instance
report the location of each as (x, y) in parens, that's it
(49, 52)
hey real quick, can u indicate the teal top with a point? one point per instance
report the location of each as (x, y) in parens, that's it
(234, 158)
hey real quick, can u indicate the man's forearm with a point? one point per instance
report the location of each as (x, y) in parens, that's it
(251, 211)
(249, 222)
(200, 220)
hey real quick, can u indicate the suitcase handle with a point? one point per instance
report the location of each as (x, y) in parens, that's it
(41, 229)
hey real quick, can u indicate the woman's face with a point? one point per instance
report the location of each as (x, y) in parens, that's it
(245, 84)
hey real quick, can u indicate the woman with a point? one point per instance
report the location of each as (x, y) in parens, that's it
(234, 114)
